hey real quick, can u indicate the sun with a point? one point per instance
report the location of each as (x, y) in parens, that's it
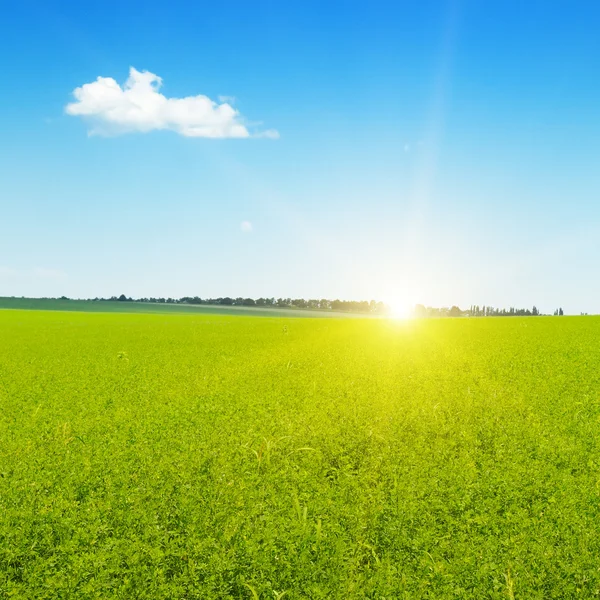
(401, 299)
(401, 309)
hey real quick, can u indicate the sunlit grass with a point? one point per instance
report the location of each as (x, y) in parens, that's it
(180, 456)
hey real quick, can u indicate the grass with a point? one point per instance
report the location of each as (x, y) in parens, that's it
(204, 456)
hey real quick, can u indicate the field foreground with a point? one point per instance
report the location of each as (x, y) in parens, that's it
(205, 456)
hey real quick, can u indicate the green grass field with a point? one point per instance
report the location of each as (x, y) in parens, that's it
(148, 307)
(195, 456)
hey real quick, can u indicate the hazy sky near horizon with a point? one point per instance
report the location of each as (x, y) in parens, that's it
(434, 152)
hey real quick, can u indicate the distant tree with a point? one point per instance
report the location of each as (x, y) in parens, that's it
(122, 298)
(535, 312)
(336, 305)
(420, 311)
(364, 306)
(560, 312)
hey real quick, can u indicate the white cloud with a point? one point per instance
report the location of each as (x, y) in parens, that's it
(228, 99)
(139, 107)
(246, 226)
(272, 134)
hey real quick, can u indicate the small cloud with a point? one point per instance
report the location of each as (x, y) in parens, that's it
(228, 99)
(246, 226)
(271, 134)
(139, 107)
(406, 147)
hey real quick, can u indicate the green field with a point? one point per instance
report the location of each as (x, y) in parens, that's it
(195, 456)
(154, 307)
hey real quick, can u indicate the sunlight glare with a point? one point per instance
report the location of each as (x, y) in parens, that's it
(401, 309)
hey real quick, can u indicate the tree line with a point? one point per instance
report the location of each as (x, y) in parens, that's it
(479, 311)
(362, 306)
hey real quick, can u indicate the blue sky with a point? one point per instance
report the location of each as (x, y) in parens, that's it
(435, 152)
